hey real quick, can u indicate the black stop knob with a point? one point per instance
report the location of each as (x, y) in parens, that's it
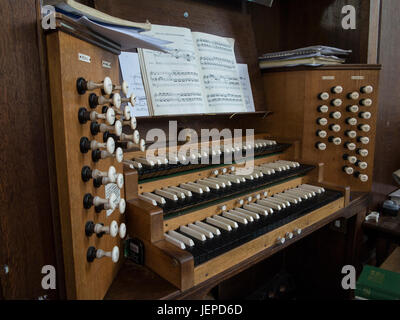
(94, 128)
(81, 85)
(86, 173)
(91, 254)
(97, 183)
(96, 155)
(87, 201)
(83, 115)
(93, 100)
(84, 145)
(89, 228)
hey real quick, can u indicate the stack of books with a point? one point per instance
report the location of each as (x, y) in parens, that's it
(314, 56)
(378, 284)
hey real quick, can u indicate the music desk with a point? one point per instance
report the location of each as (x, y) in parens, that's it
(135, 282)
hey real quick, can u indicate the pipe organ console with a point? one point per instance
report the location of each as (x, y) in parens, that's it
(196, 214)
(332, 111)
(198, 220)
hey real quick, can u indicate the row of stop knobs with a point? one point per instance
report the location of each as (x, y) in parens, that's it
(114, 140)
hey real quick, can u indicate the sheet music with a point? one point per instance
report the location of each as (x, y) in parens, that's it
(173, 79)
(219, 72)
(246, 87)
(130, 70)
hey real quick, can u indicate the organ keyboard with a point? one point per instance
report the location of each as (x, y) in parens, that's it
(198, 220)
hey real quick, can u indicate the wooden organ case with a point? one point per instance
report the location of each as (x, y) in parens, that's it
(196, 221)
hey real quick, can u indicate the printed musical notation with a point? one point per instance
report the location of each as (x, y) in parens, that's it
(217, 62)
(207, 45)
(181, 98)
(130, 69)
(173, 78)
(214, 81)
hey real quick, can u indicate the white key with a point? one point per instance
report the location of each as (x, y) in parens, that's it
(234, 217)
(178, 193)
(283, 167)
(241, 178)
(149, 162)
(310, 194)
(298, 194)
(291, 196)
(232, 223)
(240, 214)
(264, 211)
(181, 237)
(292, 164)
(246, 176)
(174, 241)
(205, 188)
(192, 188)
(252, 214)
(270, 204)
(313, 193)
(206, 232)
(220, 184)
(231, 179)
(206, 226)
(288, 199)
(166, 194)
(267, 171)
(267, 165)
(284, 202)
(193, 233)
(212, 185)
(277, 201)
(315, 188)
(219, 224)
(158, 199)
(221, 181)
(186, 192)
(147, 199)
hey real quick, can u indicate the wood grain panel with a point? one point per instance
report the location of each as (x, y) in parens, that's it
(290, 24)
(83, 280)
(26, 229)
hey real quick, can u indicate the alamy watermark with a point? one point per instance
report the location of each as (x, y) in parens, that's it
(48, 17)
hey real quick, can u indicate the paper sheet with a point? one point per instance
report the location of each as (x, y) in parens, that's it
(130, 69)
(246, 87)
(219, 72)
(173, 79)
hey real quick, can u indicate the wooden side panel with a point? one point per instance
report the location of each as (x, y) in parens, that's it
(144, 220)
(170, 262)
(294, 101)
(83, 280)
(26, 226)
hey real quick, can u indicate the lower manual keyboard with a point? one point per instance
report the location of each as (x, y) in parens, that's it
(218, 234)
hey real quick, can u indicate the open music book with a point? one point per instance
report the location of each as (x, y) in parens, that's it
(198, 75)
